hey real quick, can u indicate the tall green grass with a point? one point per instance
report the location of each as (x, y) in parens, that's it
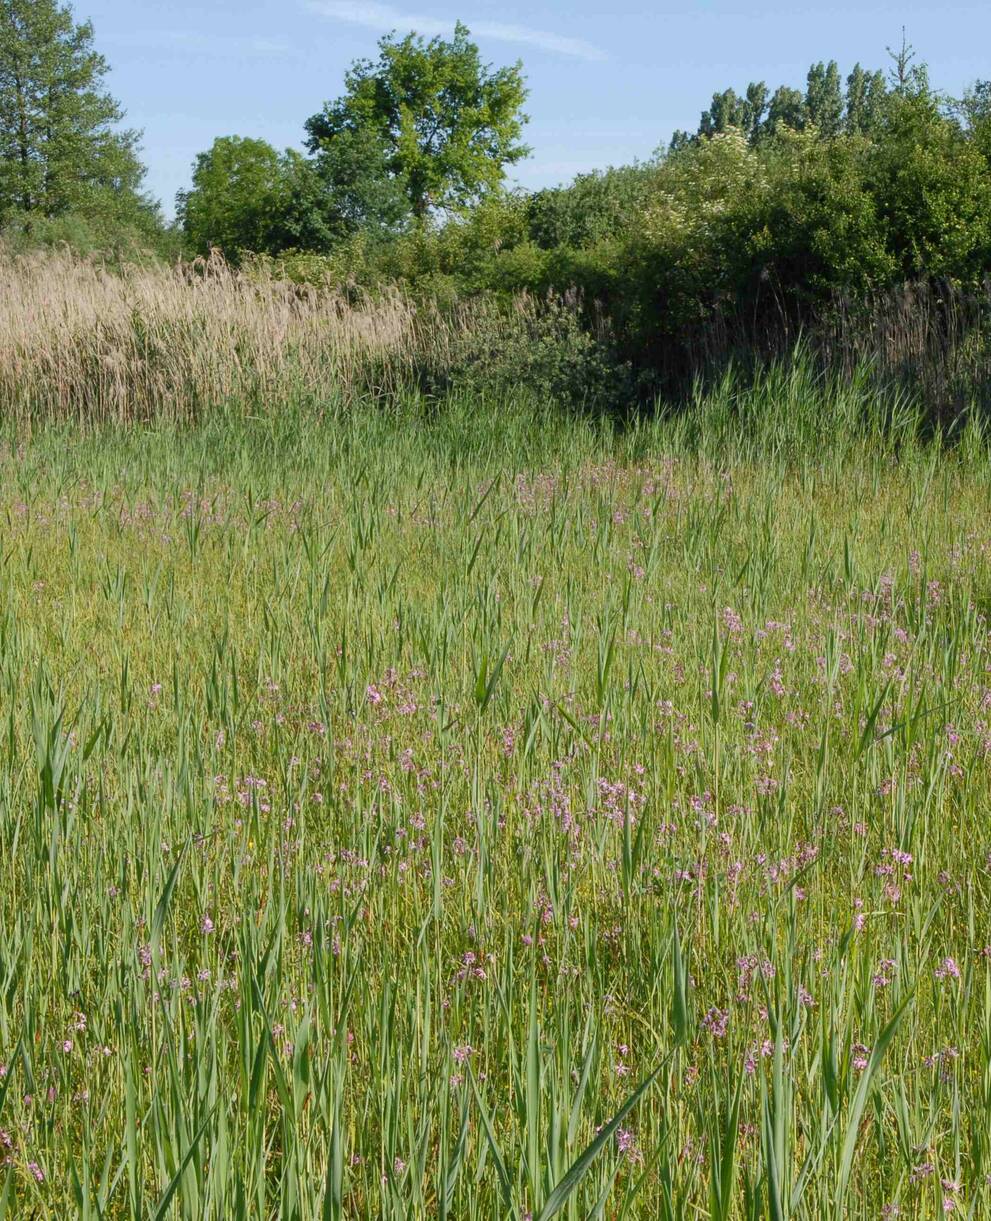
(480, 812)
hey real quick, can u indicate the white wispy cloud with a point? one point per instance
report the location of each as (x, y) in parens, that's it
(203, 44)
(385, 17)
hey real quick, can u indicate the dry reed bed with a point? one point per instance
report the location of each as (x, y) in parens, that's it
(78, 340)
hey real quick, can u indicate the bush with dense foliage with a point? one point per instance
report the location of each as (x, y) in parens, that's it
(781, 212)
(731, 240)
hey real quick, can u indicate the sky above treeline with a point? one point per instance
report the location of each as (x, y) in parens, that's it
(609, 82)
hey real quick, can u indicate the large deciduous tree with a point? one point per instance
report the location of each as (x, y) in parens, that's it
(428, 118)
(247, 196)
(237, 197)
(61, 149)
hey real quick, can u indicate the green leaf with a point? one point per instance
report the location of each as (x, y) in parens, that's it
(860, 1102)
(579, 1168)
(500, 1165)
(161, 911)
(163, 1204)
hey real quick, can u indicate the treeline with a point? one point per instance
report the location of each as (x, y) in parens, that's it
(787, 211)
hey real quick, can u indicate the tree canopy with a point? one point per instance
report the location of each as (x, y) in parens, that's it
(427, 117)
(61, 149)
(237, 198)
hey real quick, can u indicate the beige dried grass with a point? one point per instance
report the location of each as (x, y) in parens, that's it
(79, 340)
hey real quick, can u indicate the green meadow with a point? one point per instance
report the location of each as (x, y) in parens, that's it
(477, 811)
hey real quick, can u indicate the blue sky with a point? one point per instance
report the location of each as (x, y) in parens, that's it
(609, 82)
